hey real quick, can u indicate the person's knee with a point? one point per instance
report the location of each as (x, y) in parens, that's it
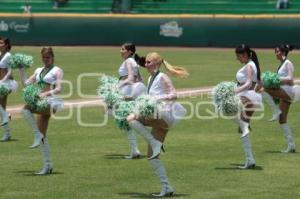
(131, 117)
(282, 119)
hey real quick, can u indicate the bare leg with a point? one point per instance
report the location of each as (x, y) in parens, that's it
(274, 107)
(278, 93)
(43, 121)
(140, 128)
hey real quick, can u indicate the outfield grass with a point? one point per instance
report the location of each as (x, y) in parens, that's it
(201, 160)
(206, 66)
(201, 155)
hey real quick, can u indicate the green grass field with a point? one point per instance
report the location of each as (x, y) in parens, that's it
(201, 155)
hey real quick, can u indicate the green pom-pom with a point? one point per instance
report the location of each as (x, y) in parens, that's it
(31, 97)
(225, 99)
(41, 105)
(31, 94)
(121, 111)
(146, 106)
(271, 80)
(108, 90)
(276, 100)
(19, 60)
(4, 90)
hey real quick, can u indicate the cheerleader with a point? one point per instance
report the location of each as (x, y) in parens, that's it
(49, 78)
(285, 93)
(8, 83)
(247, 77)
(161, 88)
(130, 85)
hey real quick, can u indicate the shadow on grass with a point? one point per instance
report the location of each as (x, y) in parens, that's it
(120, 156)
(32, 173)
(235, 167)
(144, 195)
(10, 140)
(273, 151)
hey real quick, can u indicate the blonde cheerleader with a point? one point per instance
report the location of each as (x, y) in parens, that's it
(161, 88)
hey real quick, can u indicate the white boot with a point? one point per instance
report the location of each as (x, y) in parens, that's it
(141, 129)
(160, 171)
(134, 151)
(274, 108)
(291, 148)
(6, 136)
(250, 162)
(38, 136)
(243, 126)
(48, 166)
(4, 116)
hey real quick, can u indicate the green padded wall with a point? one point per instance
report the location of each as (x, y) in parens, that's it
(168, 30)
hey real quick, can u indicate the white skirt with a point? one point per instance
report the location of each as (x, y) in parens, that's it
(55, 102)
(11, 84)
(289, 90)
(171, 113)
(133, 90)
(296, 89)
(254, 97)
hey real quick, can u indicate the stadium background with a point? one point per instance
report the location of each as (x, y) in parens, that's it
(146, 22)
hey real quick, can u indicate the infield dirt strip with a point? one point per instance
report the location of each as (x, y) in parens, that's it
(92, 102)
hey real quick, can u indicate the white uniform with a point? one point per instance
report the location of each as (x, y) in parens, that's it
(50, 78)
(135, 89)
(242, 77)
(162, 89)
(283, 73)
(10, 83)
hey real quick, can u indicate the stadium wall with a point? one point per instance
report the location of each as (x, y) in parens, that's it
(158, 30)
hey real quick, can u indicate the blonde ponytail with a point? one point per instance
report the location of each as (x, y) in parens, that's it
(172, 70)
(175, 70)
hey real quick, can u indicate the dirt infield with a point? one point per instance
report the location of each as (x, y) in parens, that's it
(181, 93)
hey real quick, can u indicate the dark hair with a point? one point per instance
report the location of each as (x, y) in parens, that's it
(241, 49)
(47, 50)
(140, 60)
(285, 48)
(6, 42)
(130, 47)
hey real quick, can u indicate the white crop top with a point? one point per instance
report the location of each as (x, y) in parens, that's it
(162, 87)
(5, 59)
(131, 62)
(284, 69)
(241, 75)
(50, 77)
